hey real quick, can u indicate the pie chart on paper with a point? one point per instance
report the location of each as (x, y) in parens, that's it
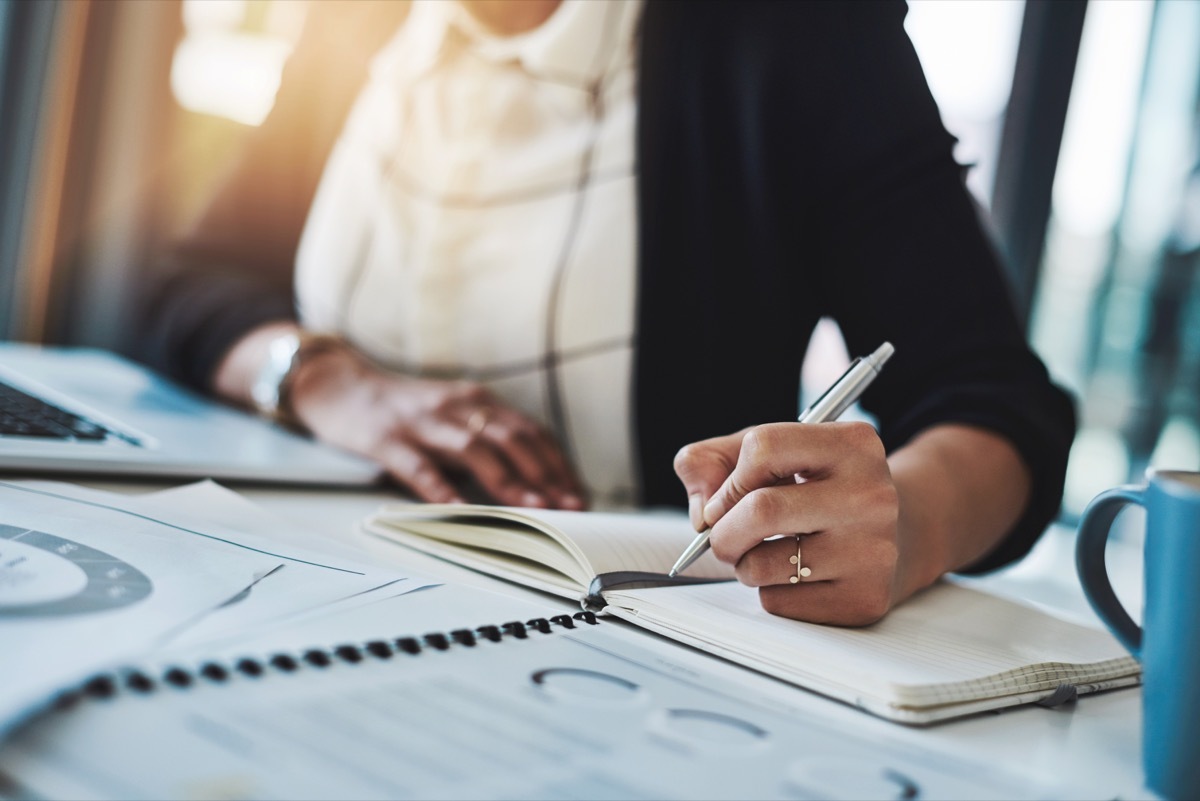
(43, 575)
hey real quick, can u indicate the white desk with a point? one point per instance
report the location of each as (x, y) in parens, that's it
(1088, 749)
(1093, 747)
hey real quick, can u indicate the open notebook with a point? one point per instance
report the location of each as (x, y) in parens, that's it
(950, 651)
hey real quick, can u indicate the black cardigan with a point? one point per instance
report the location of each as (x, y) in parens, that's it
(791, 165)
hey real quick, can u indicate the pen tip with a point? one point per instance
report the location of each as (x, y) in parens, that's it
(673, 573)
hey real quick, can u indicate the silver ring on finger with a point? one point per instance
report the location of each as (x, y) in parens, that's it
(801, 571)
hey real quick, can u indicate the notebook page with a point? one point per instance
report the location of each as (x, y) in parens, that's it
(524, 543)
(493, 563)
(603, 541)
(947, 645)
(614, 541)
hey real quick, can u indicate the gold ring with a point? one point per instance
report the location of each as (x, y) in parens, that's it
(801, 572)
(477, 422)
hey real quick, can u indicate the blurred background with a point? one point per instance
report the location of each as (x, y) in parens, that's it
(1080, 120)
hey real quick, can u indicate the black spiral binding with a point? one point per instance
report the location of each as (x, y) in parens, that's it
(104, 686)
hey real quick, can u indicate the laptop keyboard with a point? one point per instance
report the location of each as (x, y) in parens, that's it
(23, 415)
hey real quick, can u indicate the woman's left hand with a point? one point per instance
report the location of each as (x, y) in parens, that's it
(841, 517)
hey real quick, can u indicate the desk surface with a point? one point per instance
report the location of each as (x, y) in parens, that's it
(1091, 747)
(1087, 749)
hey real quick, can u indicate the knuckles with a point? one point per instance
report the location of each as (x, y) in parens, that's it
(884, 553)
(757, 511)
(884, 499)
(758, 444)
(687, 458)
(502, 434)
(862, 436)
(459, 394)
(761, 507)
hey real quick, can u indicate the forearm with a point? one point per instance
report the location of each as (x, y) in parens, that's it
(961, 490)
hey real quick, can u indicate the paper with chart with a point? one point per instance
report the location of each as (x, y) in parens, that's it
(82, 585)
(325, 574)
(317, 572)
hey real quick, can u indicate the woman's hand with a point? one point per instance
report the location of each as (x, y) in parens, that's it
(828, 489)
(872, 530)
(434, 438)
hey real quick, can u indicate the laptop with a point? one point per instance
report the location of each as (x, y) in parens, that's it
(85, 411)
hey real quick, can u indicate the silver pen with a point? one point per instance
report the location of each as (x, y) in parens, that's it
(837, 399)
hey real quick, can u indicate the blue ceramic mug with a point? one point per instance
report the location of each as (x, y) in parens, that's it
(1168, 641)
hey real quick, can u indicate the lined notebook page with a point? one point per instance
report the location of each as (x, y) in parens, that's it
(612, 541)
(600, 542)
(947, 645)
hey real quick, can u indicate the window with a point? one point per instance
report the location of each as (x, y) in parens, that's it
(1116, 312)
(232, 54)
(968, 51)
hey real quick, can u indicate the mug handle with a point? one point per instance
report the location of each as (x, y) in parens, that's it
(1094, 527)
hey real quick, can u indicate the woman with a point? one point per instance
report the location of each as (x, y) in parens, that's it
(568, 239)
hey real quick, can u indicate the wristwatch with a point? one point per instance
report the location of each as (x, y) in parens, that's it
(285, 354)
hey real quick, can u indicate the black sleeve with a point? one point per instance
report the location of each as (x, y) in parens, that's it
(909, 263)
(233, 270)
(793, 165)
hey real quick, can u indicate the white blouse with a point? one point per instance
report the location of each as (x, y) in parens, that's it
(476, 219)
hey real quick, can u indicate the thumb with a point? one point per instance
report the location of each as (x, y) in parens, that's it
(703, 467)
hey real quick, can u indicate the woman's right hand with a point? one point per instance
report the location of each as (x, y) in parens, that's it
(435, 438)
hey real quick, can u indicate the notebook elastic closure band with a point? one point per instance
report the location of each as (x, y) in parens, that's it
(634, 579)
(1063, 694)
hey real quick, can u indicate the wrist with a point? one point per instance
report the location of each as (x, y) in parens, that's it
(924, 553)
(926, 544)
(288, 356)
(323, 382)
(960, 490)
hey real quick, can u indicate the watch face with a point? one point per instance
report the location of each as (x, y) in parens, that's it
(265, 391)
(42, 575)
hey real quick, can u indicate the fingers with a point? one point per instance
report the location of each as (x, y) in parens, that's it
(510, 459)
(838, 556)
(829, 483)
(858, 500)
(530, 455)
(782, 452)
(702, 467)
(410, 468)
(842, 580)
(535, 456)
(470, 452)
(780, 560)
(425, 431)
